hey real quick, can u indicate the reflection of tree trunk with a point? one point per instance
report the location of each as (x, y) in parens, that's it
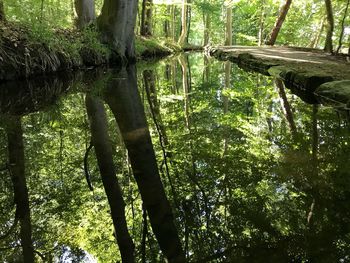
(314, 159)
(17, 170)
(279, 22)
(286, 106)
(228, 67)
(103, 150)
(185, 87)
(124, 100)
(206, 71)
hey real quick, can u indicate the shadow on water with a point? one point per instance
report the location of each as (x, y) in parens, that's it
(252, 173)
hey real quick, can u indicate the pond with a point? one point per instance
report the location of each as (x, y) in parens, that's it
(251, 171)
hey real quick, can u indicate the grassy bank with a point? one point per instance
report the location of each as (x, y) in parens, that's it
(26, 50)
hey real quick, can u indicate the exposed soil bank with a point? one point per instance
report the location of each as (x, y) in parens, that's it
(303, 70)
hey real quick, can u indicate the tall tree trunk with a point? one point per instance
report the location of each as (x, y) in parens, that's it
(343, 26)
(167, 22)
(146, 18)
(124, 100)
(184, 23)
(17, 170)
(117, 23)
(261, 24)
(86, 12)
(316, 40)
(207, 23)
(330, 27)
(104, 154)
(279, 22)
(173, 22)
(228, 32)
(2, 11)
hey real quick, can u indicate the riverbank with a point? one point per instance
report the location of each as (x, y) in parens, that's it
(27, 51)
(306, 72)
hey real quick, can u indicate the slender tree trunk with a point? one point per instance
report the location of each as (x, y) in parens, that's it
(146, 18)
(167, 22)
(317, 38)
(261, 24)
(2, 11)
(184, 28)
(173, 22)
(207, 23)
(17, 170)
(86, 12)
(279, 22)
(343, 26)
(117, 23)
(124, 100)
(330, 27)
(228, 32)
(104, 154)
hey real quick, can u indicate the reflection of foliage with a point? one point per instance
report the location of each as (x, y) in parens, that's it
(243, 186)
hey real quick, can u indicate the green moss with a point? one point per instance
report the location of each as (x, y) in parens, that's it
(146, 47)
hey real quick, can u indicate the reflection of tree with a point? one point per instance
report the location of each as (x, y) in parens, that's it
(16, 168)
(104, 154)
(128, 110)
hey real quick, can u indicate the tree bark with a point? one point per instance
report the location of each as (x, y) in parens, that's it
(124, 100)
(228, 34)
(116, 24)
(207, 23)
(17, 170)
(104, 154)
(330, 27)
(146, 18)
(86, 12)
(279, 22)
(2, 11)
(342, 27)
(184, 28)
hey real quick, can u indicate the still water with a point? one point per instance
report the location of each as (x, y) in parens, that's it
(252, 172)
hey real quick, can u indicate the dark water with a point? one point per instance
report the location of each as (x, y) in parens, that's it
(253, 173)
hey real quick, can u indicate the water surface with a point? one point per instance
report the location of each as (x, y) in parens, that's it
(253, 173)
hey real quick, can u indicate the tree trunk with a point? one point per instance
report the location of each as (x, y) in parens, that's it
(173, 22)
(17, 171)
(86, 12)
(261, 24)
(317, 38)
(167, 22)
(124, 100)
(228, 34)
(330, 27)
(342, 27)
(2, 11)
(207, 23)
(146, 18)
(184, 28)
(104, 154)
(116, 24)
(279, 22)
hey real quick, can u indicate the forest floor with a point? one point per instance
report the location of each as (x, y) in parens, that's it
(308, 70)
